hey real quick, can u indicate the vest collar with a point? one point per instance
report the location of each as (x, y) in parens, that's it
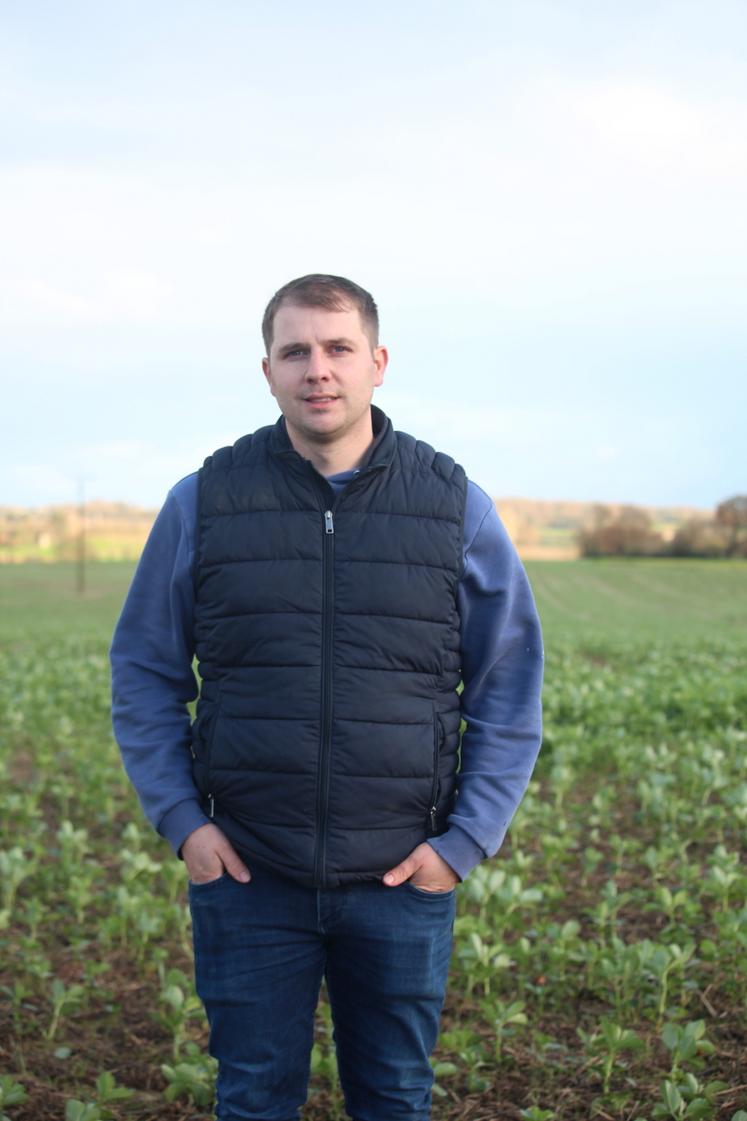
(380, 454)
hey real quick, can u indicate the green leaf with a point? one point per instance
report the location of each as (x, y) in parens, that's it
(698, 1109)
(445, 1069)
(672, 1097)
(81, 1111)
(11, 1092)
(107, 1089)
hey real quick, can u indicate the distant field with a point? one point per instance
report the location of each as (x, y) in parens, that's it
(584, 599)
(42, 598)
(628, 600)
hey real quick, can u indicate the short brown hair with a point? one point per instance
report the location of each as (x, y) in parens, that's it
(334, 293)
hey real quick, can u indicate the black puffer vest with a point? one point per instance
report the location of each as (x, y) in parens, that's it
(327, 634)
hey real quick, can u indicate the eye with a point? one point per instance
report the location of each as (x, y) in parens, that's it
(340, 347)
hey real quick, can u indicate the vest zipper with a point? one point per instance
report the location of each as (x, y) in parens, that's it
(326, 713)
(322, 788)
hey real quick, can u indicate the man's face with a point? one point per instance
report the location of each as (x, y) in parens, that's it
(322, 370)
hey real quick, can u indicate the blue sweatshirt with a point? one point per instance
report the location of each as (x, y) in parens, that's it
(502, 660)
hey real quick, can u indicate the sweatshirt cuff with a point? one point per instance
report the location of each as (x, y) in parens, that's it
(181, 820)
(458, 850)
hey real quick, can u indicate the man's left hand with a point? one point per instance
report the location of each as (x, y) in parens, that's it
(425, 869)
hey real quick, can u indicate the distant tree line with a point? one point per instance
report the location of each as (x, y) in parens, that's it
(630, 532)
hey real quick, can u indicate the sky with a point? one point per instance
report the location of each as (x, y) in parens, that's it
(546, 199)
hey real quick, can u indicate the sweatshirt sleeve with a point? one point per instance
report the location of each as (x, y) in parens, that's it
(502, 667)
(152, 678)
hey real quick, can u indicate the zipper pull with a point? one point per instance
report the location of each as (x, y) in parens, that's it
(329, 525)
(432, 816)
(211, 806)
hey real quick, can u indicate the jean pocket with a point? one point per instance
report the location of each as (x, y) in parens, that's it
(207, 884)
(422, 892)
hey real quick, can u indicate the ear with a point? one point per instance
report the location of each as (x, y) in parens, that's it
(268, 374)
(381, 358)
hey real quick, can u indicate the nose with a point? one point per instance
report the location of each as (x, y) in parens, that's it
(316, 367)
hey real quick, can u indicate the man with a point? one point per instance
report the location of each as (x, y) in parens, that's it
(337, 581)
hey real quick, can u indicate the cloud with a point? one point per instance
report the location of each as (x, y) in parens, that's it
(37, 484)
(607, 453)
(132, 297)
(651, 125)
(139, 471)
(549, 190)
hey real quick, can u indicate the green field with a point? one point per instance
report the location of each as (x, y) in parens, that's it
(671, 601)
(609, 600)
(600, 960)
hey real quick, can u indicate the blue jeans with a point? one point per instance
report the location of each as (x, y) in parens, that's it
(261, 950)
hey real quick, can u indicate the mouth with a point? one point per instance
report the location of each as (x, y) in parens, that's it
(320, 399)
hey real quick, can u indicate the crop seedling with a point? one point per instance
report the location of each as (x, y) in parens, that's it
(687, 1099)
(468, 1048)
(107, 1091)
(11, 1093)
(15, 867)
(192, 1078)
(686, 1044)
(481, 962)
(181, 1005)
(606, 1045)
(64, 999)
(324, 1061)
(504, 1019)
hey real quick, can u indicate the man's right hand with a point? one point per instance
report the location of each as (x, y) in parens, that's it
(208, 853)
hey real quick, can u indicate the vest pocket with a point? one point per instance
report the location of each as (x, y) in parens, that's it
(438, 739)
(204, 734)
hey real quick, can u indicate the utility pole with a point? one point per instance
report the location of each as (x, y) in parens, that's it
(80, 567)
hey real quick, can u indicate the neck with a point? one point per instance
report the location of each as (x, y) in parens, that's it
(339, 455)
